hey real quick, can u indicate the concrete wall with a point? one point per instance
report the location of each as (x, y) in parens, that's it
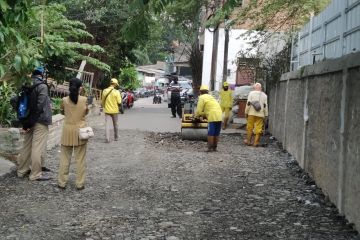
(315, 113)
(11, 139)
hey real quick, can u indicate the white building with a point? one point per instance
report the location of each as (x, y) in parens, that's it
(239, 41)
(148, 74)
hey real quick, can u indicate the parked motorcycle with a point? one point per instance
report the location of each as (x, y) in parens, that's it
(130, 99)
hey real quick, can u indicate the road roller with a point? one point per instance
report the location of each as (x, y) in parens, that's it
(191, 129)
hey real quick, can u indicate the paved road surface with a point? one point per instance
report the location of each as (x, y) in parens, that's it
(145, 116)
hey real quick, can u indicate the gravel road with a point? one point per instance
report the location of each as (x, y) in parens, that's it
(154, 186)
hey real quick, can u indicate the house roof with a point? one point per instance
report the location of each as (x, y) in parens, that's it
(158, 68)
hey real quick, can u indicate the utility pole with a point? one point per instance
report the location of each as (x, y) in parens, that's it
(214, 59)
(226, 50)
(214, 51)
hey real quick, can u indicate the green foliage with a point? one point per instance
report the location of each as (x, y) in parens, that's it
(223, 13)
(86, 89)
(275, 14)
(129, 31)
(22, 49)
(7, 114)
(56, 104)
(275, 66)
(128, 78)
(19, 53)
(185, 20)
(61, 43)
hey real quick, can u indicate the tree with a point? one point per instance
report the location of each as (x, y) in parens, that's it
(24, 49)
(129, 78)
(19, 53)
(62, 46)
(265, 15)
(185, 21)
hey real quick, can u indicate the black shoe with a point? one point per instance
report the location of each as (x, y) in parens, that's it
(61, 187)
(80, 188)
(173, 116)
(45, 169)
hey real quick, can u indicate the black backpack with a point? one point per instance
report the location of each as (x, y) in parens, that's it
(22, 101)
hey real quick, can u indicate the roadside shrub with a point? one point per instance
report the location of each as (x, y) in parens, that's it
(56, 103)
(7, 113)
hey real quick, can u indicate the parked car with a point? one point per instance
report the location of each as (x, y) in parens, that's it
(143, 93)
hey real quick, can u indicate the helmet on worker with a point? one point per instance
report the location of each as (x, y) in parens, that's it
(225, 86)
(204, 89)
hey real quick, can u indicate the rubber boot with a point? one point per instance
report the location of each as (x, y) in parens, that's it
(248, 139)
(257, 140)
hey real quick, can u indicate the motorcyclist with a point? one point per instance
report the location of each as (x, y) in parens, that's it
(130, 98)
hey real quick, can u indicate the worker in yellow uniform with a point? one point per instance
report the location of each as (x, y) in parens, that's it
(256, 111)
(210, 109)
(226, 103)
(110, 101)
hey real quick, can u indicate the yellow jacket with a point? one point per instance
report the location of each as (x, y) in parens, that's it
(262, 98)
(111, 106)
(208, 106)
(226, 98)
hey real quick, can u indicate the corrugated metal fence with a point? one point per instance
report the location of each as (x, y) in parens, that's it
(331, 34)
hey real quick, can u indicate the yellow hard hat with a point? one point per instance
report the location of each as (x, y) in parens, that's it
(225, 84)
(114, 81)
(204, 88)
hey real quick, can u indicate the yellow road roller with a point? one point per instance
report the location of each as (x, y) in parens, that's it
(191, 129)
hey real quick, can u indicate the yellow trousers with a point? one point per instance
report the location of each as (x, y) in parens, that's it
(255, 124)
(33, 148)
(65, 157)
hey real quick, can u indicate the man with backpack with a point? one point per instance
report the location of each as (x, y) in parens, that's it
(110, 101)
(35, 123)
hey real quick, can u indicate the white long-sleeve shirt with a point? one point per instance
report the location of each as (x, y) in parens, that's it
(262, 98)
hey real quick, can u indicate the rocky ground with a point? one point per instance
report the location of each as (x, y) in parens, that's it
(155, 186)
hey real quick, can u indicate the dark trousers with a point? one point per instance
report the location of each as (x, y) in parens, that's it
(176, 105)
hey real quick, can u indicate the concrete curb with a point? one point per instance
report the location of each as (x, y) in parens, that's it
(6, 166)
